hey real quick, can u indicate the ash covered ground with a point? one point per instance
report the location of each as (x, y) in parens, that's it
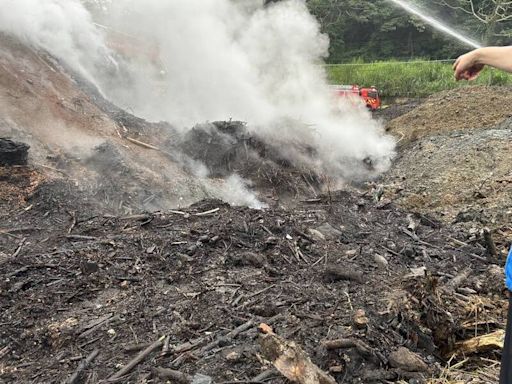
(75, 279)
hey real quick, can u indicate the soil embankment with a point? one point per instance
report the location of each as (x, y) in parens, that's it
(455, 159)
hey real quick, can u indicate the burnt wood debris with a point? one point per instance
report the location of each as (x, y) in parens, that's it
(180, 295)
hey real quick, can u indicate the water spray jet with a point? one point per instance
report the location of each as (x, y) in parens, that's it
(436, 23)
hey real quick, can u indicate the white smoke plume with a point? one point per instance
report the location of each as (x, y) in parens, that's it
(235, 191)
(62, 27)
(189, 61)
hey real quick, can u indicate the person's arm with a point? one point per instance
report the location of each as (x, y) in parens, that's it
(469, 66)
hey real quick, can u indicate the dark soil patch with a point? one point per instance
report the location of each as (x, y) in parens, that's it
(396, 108)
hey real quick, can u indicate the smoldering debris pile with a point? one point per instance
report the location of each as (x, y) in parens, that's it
(225, 148)
(354, 289)
(125, 163)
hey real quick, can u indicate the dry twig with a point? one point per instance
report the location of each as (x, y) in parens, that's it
(137, 360)
(82, 367)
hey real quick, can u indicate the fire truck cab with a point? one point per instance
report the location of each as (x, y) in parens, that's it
(370, 96)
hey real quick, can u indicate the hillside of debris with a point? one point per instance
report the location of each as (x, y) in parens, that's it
(76, 134)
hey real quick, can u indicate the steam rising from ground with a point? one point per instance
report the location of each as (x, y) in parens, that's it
(222, 59)
(189, 61)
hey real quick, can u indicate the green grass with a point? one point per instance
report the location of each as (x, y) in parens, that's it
(409, 79)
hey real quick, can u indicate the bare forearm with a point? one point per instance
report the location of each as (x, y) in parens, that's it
(497, 57)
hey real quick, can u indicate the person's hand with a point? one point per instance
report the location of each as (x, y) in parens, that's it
(467, 67)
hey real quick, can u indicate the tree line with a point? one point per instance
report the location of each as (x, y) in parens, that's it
(369, 30)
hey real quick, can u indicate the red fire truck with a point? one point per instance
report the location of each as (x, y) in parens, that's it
(370, 96)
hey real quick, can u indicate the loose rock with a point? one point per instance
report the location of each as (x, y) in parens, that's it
(316, 235)
(360, 320)
(381, 261)
(329, 231)
(337, 273)
(409, 361)
(249, 259)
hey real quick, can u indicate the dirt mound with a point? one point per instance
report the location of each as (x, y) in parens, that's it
(463, 108)
(74, 133)
(463, 177)
(369, 292)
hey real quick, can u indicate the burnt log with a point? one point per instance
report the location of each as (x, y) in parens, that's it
(13, 153)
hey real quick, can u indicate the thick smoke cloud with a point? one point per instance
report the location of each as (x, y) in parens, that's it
(62, 27)
(189, 61)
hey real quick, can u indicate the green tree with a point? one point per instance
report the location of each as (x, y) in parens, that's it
(378, 30)
(491, 18)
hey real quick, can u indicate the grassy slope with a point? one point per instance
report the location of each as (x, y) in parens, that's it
(411, 79)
